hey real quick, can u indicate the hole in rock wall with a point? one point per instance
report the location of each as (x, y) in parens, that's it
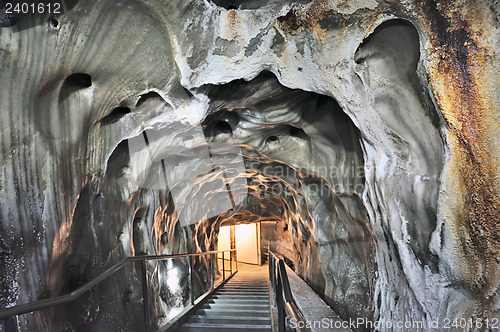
(54, 22)
(118, 161)
(249, 4)
(115, 115)
(272, 142)
(241, 4)
(152, 95)
(74, 85)
(222, 128)
(79, 80)
(298, 132)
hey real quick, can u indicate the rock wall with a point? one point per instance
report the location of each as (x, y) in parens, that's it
(367, 128)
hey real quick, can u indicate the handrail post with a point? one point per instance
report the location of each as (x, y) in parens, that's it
(284, 277)
(236, 260)
(279, 303)
(191, 279)
(223, 268)
(272, 271)
(230, 262)
(212, 271)
(282, 293)
(145, 300)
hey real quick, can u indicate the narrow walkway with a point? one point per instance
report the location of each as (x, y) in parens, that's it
(242, 304)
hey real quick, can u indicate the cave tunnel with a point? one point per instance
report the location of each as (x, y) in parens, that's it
(219, 165)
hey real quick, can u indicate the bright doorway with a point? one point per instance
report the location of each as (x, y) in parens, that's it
(246, 241)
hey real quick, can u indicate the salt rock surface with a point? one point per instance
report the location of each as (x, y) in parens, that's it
(368, 129)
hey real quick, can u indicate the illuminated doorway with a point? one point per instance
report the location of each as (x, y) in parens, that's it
(246, 241)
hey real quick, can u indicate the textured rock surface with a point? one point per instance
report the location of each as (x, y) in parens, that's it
(369, 129)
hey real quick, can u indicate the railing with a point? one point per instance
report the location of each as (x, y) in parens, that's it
(282, 294)
(9, 315)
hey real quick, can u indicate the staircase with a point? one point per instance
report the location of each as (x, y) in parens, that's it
(242, 304)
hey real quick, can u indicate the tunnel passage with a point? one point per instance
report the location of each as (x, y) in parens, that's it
(304, 167)
(264, 152)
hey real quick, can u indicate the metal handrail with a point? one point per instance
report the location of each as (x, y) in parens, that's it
(282, 292)
(8, 313)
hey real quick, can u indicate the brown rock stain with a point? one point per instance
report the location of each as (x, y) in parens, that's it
(372, 25)
(233, 21)
(307, 18)
(344, 5)
(456, 80)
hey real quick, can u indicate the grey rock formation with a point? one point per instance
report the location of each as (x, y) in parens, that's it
(369, 129)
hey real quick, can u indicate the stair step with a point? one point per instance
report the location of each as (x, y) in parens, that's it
(251, 292)
(231, 306)
(207, 320)
(235, 312)
(224, 327)
(239, 297)
(235, 301)
(246, 287)
(246, 284)
(242, 305)
(241, 291)
(244, 291)
(253, 282)
(242, 295)
(228, 316)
